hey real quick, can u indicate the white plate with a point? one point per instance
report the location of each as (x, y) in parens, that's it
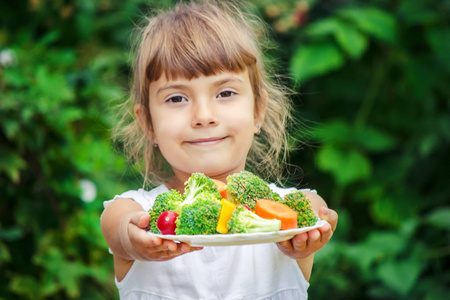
(239, 238)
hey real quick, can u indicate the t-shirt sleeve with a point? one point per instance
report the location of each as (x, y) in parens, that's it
(140, 196)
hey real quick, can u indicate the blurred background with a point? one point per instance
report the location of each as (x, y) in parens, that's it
(373, 94)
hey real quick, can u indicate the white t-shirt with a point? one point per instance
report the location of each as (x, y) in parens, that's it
(251, 272)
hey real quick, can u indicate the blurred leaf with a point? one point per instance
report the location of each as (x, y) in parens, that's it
(52, 90)
(438, 39)
(27, 285)
(418, 12)
(394, 208)
(400, 275)
(374, 21)
(338, 132)
(11, 164)
(346, 166)
(11, 234)
(322, 27)
(314, 60)
(53, 260)
(5, 255)
(439, 218)
(353, 42)
(373, 139)
(376, 247)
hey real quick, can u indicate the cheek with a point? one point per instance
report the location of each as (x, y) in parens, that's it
(165, 128)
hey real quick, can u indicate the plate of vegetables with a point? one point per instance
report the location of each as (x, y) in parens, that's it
(242, 211)
(240, 238)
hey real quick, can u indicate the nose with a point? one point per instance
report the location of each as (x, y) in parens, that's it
(204, 114)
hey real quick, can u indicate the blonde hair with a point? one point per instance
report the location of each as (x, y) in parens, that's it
(205, 38)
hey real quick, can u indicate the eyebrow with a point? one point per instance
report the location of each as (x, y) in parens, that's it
(183, 86)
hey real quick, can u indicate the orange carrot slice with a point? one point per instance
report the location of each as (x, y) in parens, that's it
(269, 209)
(222, 187)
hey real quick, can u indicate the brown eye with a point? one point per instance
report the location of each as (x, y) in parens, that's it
(226, 94)
(176, 99)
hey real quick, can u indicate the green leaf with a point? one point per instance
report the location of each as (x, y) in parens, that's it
(377, 246)
(11, 164)
(375, 22)
(438, 39)
(345, 166)
(313, 60)
(395, 207)
(439, 218)
(5, 255)
(400, 275)
(373, 139)
(336, 132)
(418, 13)
(322, 28)
(351, 40)
(33, 289)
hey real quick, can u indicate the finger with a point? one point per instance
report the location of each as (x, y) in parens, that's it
(299, 242)
(285, 246)
(141, 239)
(329, 215)
(314, 240)
(170, 245)
(185, 247)
(326, 233)
(140, 219)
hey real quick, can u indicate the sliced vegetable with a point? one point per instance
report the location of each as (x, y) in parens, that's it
(222, 187)
(225, 215)
(269, 209)
(166, 222)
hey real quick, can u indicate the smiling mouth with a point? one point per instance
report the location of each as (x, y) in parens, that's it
(206, 141)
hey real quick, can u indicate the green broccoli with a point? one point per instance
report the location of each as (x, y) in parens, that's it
(163, 202)
(298, 202)
(245, 188)
(200, 215)
(244, 221)
(197, 184)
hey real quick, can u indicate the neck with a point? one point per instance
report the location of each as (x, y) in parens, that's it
(176, 184)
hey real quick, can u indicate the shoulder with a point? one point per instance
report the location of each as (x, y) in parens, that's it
(141, 196)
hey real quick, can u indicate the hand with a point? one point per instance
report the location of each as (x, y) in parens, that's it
(304, 244)
(140, 245)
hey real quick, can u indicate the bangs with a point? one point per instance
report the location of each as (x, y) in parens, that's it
(191, 44)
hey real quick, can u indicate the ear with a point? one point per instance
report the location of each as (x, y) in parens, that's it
(144, 121)
(261, 107)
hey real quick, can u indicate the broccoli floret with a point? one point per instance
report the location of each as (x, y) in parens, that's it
(298, 202)
(244, 221)
(197, 184)
(200, 216)
(245, 188)
(163, 202)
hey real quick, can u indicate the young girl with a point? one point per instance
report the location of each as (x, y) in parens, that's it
(203, 102)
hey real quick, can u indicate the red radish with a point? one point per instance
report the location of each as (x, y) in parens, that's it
(166, 222)
(248, 208)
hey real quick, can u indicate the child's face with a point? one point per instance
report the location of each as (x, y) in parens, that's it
(205, 124)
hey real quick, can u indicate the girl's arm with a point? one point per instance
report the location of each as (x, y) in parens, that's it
(124, 224)
(303, 246)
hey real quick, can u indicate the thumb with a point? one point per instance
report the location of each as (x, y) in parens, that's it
(329, 215)
(140, 219)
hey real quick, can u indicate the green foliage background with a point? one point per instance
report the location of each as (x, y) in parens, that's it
(374, 99)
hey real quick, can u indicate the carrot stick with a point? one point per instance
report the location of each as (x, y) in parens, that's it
(222, 187)
(269, 209)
